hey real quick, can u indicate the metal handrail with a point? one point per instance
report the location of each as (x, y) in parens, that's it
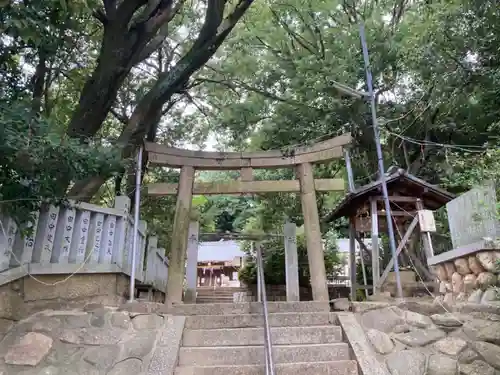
(267, 333)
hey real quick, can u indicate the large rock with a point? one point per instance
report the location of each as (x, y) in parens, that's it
(401, 328)
(120, 319)
(30, 350)
(457, 283)
(475, 266)
(447, 322)
(150, 321)
(450, 269)
(384, 319)
(449, 299)
(137, 344)
(102, 357)
(476, 296)
(49, 370)
(470, 283)
(486, 279)
(381, 341)
(406, 362)
(420, 337)
(442, 287)
(130, 366)
(483, 330)
(468, 356)
(441, 365)
(487, 260)
(417, 320)
(451, 346)
(462, 266)
(99, 317)
(489, 352)
(490, 296)
(476, 368)
(440, 272)
(92, 336)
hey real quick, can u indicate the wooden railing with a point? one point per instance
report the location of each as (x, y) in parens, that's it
(83, 238)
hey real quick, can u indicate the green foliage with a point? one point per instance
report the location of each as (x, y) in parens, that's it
(274, 263)
(35, 161)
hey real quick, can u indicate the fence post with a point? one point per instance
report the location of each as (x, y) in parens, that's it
(122, 203)
(23, 246)
(108, 240)
(44, 241)
(7, 241)
(291, 262)
(64, 235)
(150, 260)
(141, 249)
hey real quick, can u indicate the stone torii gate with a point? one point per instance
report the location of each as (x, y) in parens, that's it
(301, 158)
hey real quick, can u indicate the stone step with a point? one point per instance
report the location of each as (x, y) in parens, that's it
(257, 320)
(212, 301)
(255, 336)
(303, 368)
(248, 308)
(254, 355)
(228, 297)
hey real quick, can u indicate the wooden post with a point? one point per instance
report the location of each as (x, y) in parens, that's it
(426, 236)
(365, 282)
(180, 236)
(375, 247)
(291, 262)
(192, 263)
(352, 256)
(350, 175)
(313, 233)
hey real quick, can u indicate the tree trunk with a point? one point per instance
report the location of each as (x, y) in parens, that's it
(128, 38)
(212, 35)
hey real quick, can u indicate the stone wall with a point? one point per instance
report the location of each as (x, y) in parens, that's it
(419, 338)
(98, 340)
(472, 277)
(23, 297)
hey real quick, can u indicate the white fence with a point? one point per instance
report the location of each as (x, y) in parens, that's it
(81, 238)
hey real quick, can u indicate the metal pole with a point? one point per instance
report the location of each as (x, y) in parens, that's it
(268, 344)
(390, 228)
(137, 202)
(259, 281)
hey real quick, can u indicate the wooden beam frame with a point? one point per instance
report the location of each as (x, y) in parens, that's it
(242, 187)
(401, 246)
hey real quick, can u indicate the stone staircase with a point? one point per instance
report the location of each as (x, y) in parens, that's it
(209, 294)
(229, 339)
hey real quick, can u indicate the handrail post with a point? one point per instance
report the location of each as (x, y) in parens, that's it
(267, 338)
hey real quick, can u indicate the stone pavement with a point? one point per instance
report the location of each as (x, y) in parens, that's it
(98, 341)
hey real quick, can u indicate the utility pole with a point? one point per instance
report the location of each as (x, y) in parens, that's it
(380, 157)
